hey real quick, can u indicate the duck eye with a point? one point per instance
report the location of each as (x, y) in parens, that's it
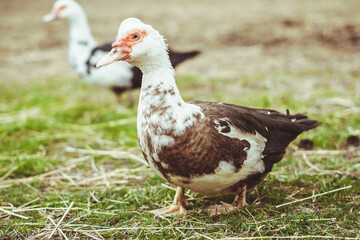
(135, 36)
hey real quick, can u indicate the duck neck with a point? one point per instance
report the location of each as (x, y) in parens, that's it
(81, 42)
(162, 86)
(161, 109)
(158, 79)
(159, 62)
(80, 32)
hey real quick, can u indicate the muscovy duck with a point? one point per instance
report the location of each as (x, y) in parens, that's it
(84, 53)
(208, 147)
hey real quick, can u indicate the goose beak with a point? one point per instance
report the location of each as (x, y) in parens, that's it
(116, 54)
(49, 17)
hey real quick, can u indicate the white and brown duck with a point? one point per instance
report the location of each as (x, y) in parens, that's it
(211, 148)
(84, 52)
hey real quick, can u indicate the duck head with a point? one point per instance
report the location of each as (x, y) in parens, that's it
(139, 44)
(63, 9)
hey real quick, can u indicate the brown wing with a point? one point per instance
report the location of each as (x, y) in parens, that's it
(178, 57)
(279, 129)
(199, 151)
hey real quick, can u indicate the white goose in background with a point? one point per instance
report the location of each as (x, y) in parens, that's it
(212, 148)
(84, 52)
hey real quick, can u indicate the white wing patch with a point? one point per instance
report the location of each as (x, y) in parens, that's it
(218, 127)
(253, 163)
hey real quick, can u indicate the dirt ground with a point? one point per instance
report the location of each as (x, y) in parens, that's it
(237, 37)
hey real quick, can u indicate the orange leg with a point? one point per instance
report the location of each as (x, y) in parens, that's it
(130, 99)
(177, 207)
(240, 198)
(238, 203)
(118, 98)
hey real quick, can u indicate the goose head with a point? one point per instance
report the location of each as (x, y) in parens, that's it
(140, 45)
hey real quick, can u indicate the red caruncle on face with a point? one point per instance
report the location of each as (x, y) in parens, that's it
(131, 39)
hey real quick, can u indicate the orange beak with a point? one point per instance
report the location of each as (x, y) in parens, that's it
(120, 52)
(53, 15)
(113, 56)
(122, 48)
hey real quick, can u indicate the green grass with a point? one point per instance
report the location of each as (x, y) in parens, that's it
(44, 121)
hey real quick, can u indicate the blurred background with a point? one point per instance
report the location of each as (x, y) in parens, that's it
(236, 37)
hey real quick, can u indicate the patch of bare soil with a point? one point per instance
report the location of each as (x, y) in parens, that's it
(293, 32)
(346, 37)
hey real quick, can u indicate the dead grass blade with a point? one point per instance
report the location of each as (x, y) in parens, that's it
(114, 154)
(59, 229)
(11, 170)
(13, 214)
(56, 171)
(320, 152)
(19, 115)
(62, 218)
(114, 123)
(313, 196)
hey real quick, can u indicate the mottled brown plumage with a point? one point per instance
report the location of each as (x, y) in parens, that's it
(199, 150)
